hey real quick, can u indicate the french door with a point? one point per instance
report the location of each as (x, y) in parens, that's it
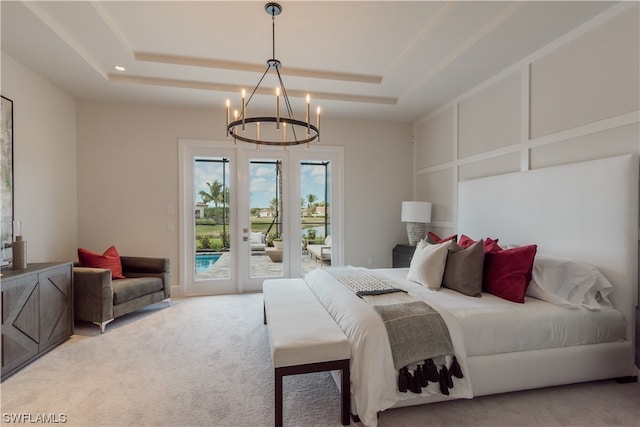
(247, 214)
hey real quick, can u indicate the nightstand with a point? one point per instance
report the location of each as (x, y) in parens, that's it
(402, 255)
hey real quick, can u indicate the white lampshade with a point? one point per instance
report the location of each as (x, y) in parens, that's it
(416, 212)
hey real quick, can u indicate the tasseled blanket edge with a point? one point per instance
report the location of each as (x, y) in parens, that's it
(429, 372)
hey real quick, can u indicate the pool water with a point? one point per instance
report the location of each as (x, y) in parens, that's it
(204, 261)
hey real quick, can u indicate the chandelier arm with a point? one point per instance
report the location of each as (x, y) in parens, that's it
(258, 85)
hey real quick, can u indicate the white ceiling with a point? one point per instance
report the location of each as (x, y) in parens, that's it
(370, 59)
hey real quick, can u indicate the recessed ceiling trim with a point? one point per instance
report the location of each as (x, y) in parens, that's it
(65, 37)
(223, 87)
(426, 31)
(110, 23)
(243, 66)
(468, 43)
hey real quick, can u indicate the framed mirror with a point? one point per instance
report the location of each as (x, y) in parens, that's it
(6, 169)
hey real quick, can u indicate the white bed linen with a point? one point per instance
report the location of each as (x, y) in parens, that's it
(373, 376)
(492, 325)
(478, 326)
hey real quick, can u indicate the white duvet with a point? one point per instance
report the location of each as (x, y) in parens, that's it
(492, 325)
(478, 326)
(373, 376)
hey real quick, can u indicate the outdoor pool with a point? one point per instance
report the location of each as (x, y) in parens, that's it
(204, 261)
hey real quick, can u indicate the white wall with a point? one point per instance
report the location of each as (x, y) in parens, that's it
(128, 177)
(45, 190)
(575, 99)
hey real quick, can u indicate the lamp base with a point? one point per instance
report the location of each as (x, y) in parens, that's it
(415, 232)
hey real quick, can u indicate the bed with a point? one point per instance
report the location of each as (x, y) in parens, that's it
(586, 213)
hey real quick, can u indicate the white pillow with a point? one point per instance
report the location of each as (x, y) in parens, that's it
(568, 283)
(256, 237)
(428, 263)
(327, 240)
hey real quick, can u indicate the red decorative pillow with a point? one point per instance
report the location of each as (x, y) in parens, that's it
(110, 259)
(433, 238)
(490, 245)
(507, 273)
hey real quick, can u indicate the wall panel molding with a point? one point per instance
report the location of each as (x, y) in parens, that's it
(569, 143)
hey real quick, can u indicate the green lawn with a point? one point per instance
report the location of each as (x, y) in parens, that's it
(257, 225)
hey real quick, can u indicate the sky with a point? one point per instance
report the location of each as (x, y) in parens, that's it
(262, 181)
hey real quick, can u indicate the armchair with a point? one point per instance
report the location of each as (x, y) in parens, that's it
(99, 299)
(321, 252)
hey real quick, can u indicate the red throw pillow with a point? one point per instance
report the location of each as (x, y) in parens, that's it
(507, 273)
(490, 245)
(433, 238)
(110, 259)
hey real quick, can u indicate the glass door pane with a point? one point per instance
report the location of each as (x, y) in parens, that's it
(266, 218)
(315, 191)
(212, 222)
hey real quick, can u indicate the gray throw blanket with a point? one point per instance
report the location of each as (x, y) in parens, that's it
(417, 333)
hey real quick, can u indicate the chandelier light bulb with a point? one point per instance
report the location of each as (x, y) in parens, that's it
(278, 107)
(318, 121)
(228, 105)
(244, 108)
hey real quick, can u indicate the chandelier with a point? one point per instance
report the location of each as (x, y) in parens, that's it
(288, 129)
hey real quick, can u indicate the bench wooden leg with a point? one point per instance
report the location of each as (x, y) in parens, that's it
(346, 394)
(278, 402)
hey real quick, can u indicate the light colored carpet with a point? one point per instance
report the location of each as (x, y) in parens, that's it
(205, 361)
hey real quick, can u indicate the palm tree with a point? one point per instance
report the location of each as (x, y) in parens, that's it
(206, 197)
(311, 198)
(214, 195)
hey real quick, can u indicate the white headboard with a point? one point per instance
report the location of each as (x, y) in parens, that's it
(585, 211)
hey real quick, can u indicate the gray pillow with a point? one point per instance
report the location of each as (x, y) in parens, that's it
(463, 271)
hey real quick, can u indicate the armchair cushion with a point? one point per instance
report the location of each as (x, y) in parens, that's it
(127, 290)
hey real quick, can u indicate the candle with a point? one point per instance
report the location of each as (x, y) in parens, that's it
(278, 107)
(228, 105)
(318, 123)
(235, 114)
(308, 119)
(258, 131)
(244, 107)
(284, 132)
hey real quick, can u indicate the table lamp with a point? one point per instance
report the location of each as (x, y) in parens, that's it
(416, 215)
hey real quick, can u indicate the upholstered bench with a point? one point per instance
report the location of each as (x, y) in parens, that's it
(304, 338)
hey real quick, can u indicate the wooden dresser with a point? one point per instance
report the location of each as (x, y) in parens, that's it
(37, 312)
